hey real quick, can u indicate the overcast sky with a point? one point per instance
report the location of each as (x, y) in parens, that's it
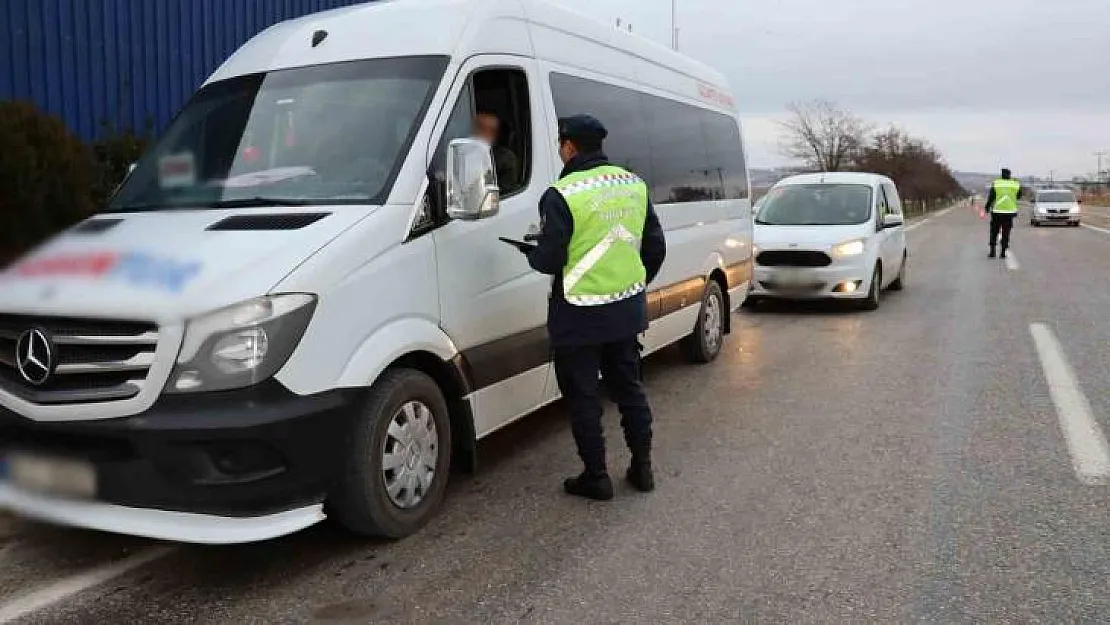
(1025, 83)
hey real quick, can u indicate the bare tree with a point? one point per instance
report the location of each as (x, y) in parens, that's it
(822, 135)
(917, 167)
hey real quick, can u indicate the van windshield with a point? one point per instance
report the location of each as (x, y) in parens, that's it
(816, 205)
(327, 134)
(1056, 196)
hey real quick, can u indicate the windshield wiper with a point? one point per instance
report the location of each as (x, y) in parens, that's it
(257, 201)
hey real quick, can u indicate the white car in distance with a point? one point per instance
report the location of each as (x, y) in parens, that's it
(1055, 206)
(830, 236)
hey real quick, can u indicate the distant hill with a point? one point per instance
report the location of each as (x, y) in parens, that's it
(974, 181)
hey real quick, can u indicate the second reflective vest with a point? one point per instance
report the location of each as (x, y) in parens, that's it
(1005, 195)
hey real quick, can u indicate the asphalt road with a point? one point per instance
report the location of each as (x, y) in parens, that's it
(937, 461)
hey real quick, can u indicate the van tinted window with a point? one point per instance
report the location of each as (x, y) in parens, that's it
(681, 170)
(619, 109)
(725, 150)
(685, 153)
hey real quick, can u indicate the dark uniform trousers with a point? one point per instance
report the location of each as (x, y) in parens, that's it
(1003, 222)
(576, 369)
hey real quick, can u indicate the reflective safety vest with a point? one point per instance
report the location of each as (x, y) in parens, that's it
(1005, 195)
(608, 206)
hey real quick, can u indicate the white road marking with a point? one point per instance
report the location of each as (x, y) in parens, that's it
(1011, 262)
(1096, 228)
(1090, 455)
(65, 588)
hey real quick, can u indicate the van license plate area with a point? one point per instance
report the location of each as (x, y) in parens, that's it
(789, 279)
(64, 477)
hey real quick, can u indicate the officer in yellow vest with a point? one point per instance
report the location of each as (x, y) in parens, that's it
(1002, 204)
(601, 241)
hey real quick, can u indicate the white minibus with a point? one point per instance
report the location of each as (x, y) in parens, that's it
(297, 306)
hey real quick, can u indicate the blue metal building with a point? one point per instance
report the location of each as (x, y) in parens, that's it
(125, 62)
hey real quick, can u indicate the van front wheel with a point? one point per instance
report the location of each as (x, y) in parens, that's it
(704, 345)
(398, 458)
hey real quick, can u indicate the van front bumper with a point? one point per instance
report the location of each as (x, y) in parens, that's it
(237, 466)
(812, 282)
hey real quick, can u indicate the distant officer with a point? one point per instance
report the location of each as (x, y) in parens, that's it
(601, 240)
(1002, 204)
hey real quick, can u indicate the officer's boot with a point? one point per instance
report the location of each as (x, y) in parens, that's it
(991, 255)
(640, 475)
(593, 482)
(1003, 255)
(591, 485)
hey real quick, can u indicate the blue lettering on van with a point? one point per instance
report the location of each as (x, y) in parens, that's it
(149, 271)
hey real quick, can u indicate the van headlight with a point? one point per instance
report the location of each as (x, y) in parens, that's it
(850, 248)
(1074, 209)
(240, 345)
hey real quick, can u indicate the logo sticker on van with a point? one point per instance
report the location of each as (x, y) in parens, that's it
(713, 94)
(135, 268)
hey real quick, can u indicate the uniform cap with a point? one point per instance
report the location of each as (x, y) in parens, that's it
(581, 127)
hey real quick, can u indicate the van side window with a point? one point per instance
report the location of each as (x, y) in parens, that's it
(725, 150)
(621, 110)
(494, 105)
(882, 205)
(893, 201)
(685, 153)
(681, 171)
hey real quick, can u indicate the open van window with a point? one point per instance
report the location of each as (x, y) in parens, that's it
(328, 134)
(500, 95)
(816, 205)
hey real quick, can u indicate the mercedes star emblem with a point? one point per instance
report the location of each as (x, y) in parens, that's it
(34, 356)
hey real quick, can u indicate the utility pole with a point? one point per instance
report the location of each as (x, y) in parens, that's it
(1098, 172)
(674, 24)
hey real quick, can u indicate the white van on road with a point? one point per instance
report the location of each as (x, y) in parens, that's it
(833, 236)
(297, 303)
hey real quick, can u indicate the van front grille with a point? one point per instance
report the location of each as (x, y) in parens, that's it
(90, 360)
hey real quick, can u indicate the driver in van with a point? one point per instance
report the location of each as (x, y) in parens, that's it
(601, 240)
(487, 126)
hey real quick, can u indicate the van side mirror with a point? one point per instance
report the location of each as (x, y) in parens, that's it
(472, 191)
(892, 221)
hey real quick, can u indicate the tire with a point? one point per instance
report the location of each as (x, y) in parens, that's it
(752, 301)
(900, 282)
(1033, 222)
(363, 502)
(874, 294)
(704, 344)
